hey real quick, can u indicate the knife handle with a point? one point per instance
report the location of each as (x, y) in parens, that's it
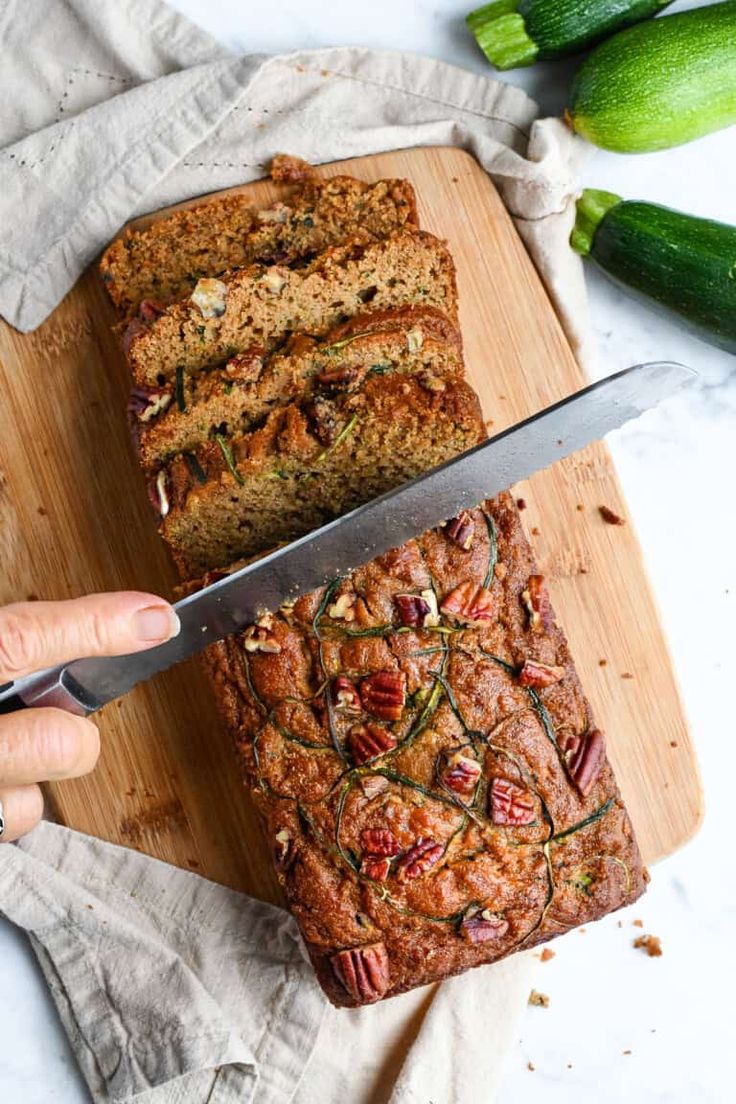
(52, 688)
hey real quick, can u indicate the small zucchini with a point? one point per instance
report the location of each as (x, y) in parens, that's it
(512, 33)
(685, 264)
(659, 84)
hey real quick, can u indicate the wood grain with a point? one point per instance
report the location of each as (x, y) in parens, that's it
(74, 518)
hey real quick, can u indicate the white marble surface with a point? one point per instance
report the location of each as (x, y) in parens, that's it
(675, 1013)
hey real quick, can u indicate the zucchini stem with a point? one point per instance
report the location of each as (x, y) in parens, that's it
(592, 207)
(501, 34)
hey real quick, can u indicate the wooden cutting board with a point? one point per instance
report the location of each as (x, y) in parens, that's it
(74, 517)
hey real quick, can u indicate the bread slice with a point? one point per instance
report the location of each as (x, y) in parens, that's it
(236, 497)
(262, 305)
(164, 261)
(234, 398)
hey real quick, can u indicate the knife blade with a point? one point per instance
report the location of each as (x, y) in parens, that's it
(237, 600)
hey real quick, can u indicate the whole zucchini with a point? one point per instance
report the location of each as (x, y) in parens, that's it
(659, 84)
(685, 264)
(517, 32)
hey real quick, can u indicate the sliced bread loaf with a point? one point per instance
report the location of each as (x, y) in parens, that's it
(164, 261)
(307, 464)
(234, 398)
(262, 305)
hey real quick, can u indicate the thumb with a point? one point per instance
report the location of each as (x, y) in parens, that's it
(34, 635)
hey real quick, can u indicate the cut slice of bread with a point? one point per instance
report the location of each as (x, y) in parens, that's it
(232, 399)
(164, 261)
(263, 305)
(235, 497)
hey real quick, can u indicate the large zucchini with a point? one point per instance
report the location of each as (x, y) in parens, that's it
(517, 32)
(659, 84)
(685, 264)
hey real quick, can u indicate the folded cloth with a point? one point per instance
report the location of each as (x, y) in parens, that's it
(173, 989)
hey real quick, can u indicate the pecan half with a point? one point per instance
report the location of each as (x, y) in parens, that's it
(461, 530)
(375, 868)
(259, 638)
(539, 675)
(536, 602)
(343, 609)
(510, 804)
(585, 756)
(481, 925)
(363, 971)
(345, 695)
(366, 742)
(383, 694)
(469, 602)
(418, 611)
(460, 773)
(380, 842)
(418, 859)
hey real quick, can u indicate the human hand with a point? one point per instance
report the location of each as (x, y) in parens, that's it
(39, 745)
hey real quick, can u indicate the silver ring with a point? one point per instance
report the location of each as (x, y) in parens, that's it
(2, 820)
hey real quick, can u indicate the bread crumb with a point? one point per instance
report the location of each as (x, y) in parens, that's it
(535, 531)
(521, 503)
(626, 1052)
(569, 1065)
(547, 954)
(619, 923)
(580, 507)
(638, 923)
(539, 1000)
(602, 662)
(530, 1066)
(674, 743)
(626, 675)
(41, 511)
(608, 516)
(652, 944)
(582, 931)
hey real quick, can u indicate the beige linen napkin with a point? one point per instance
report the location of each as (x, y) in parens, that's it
(173, 989)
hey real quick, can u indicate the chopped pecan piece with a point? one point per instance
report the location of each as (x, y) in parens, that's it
(536, 601)
(366, 742)
(510, 804)
(343, 609)
(275, 279)
(373, 785)
(322, 418)
(159, 492)
(281, 848)
(345, 695)
(585, 756)
(652, 944)
(383, 694)
(375, 868)
(541, 1000)
(414, 340)
(481, 925)
(363, 971)
(418, 611)
(380, 842)
(259, 638)
(460, 773)
(418, 859)
(461, 530)
(539, 675)
(150, 309)
(469, 602)
(145, 404)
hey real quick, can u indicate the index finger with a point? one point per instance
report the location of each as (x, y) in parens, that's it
(34, 635)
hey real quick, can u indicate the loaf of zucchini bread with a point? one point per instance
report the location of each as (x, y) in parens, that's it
(434, 787)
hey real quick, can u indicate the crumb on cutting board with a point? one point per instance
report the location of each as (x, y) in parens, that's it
(530, 1066)
(610, 517)
(651, 944)
(547, 954)
(638, 923)
(521, 503)
(539, 1000)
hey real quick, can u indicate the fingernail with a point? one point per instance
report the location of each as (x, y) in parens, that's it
(155, 623)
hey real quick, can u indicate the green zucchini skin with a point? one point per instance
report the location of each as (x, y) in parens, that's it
(514, 33)
(659, 84)
(685, 264)
(561, 27)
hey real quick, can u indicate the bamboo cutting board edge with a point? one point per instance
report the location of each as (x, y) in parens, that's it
(167, 782)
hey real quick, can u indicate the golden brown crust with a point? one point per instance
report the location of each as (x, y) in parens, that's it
(384, 858)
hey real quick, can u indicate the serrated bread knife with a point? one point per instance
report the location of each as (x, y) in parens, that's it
(238, 599)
